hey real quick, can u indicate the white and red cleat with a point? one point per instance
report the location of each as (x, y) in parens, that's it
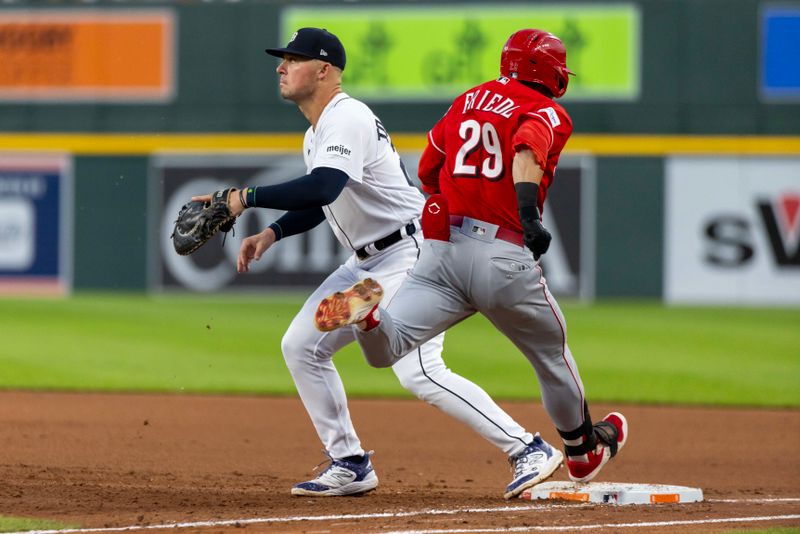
(611, 434)
(356, 304)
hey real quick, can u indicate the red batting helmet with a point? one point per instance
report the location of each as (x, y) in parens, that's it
(536, 56)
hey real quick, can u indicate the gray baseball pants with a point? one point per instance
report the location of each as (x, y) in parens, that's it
(474, 272)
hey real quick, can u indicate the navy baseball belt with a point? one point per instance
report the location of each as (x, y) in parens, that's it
(484, 231)
(387, 241)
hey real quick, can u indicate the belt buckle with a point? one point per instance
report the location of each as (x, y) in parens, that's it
(482, 231)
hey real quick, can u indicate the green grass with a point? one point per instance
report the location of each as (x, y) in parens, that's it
(17, 524)
(626, 351)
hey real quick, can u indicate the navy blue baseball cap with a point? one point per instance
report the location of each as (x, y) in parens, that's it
(313, 43)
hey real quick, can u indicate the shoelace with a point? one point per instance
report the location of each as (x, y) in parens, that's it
(329, 458)
(333, 475)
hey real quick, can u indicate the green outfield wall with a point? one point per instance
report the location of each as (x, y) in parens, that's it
(696, 66)
(629, 227)
(110, 227)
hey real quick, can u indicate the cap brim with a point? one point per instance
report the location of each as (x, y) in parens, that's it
(279, 52)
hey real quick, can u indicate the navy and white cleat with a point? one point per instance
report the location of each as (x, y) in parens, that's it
(535, 464)
(342, 477)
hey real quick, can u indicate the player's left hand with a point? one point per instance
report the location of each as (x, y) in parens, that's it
(536, 237)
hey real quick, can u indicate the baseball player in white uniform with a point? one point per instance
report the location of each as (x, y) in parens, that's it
(356, 181)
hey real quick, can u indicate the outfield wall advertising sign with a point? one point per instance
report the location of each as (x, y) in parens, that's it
(732, 231)
(35, 224)
(403, 53)
(59, 55)
(305, 260)
(780, 53)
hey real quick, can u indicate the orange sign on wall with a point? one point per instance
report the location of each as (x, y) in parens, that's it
(87, 55)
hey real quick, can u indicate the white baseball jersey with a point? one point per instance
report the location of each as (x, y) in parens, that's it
(378, 199)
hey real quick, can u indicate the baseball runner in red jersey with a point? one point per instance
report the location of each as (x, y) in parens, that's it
(489, 163)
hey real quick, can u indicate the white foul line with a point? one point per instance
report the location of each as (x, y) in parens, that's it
(338, 517)
(452, 511)
(606, 525)
(757, 501)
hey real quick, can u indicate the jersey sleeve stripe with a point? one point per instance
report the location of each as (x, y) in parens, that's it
(433, 144)
(546, 123)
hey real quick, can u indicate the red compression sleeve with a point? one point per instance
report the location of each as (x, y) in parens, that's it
(536, 136)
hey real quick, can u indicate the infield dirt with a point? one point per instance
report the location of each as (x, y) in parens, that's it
(120, 460)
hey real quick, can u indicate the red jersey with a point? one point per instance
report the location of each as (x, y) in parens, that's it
(470, 150)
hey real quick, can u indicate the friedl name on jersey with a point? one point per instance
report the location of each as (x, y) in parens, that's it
(485, 100)
(339, 149)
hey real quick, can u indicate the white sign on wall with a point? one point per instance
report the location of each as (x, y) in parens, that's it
(307, 259)
(35, 223)
(17, 234)
(732, 231)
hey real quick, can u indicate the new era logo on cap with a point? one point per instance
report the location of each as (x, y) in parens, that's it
(313, 43)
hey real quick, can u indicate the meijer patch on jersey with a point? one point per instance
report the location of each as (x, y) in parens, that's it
(339, 150)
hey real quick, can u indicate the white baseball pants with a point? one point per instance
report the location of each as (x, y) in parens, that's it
(455, 279)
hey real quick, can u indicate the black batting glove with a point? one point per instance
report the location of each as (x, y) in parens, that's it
(534, 234)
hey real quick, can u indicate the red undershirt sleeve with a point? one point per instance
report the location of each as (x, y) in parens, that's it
(535, 135)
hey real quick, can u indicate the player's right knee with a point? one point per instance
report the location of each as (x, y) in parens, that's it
(293, 349)
(299, 350)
